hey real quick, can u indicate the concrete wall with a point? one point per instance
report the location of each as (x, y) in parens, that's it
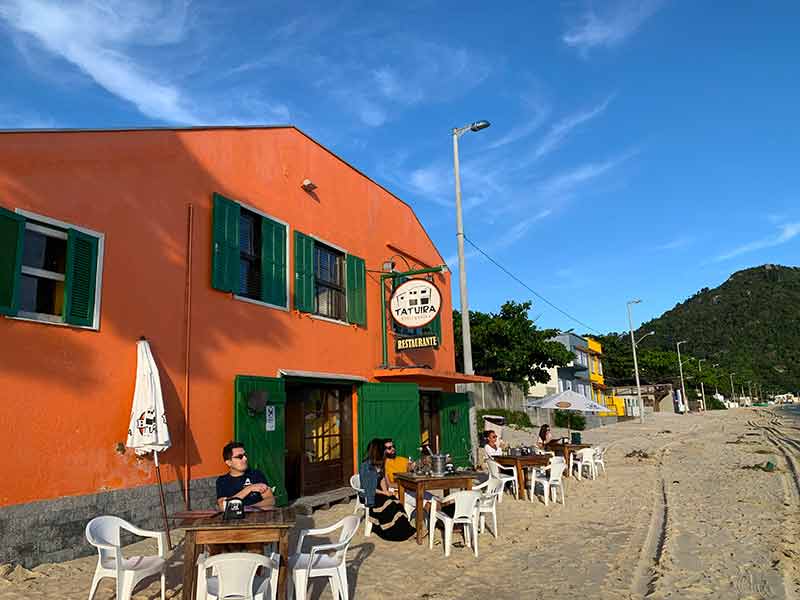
(54, 530)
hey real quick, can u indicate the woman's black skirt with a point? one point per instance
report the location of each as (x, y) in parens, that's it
(389, 519)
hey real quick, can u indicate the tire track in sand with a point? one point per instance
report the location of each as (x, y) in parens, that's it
(788, 447)
(648, 569)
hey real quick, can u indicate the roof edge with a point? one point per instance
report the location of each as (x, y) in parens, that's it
(234, 127)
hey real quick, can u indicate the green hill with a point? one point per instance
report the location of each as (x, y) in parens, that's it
(750, 325)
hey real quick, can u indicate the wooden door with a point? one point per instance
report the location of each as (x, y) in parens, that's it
(325, 438)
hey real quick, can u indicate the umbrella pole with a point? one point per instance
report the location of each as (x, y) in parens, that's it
(161, 497)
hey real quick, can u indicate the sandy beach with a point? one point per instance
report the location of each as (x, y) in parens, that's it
(686, 517)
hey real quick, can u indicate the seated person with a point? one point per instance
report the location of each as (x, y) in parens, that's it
(494, 446)
(240, 481)
(393, 463)
(544, 437)
(385, 512)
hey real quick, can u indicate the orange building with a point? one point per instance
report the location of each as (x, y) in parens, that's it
(247, 280)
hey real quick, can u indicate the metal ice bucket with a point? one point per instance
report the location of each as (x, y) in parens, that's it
(438, 462)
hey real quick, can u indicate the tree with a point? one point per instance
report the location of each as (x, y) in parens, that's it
(508, 346)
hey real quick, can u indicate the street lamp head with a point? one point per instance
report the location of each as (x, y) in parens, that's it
(635, 301)
(651, 333)
(682, 342)
(478, 125)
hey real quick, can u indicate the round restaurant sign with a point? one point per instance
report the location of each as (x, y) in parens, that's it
(563, 404)
(415, 303)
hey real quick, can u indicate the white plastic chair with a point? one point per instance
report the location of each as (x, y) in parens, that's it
(466, 514)
(551, 482)
(599, 460)
(103, 533)
(501, 472)
(323, 560)
(491, 489)
(233, 576)
(583, 459)
(355, 483)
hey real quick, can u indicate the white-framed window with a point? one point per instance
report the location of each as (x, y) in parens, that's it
(51, 271)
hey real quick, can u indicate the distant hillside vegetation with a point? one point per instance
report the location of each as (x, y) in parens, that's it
(750, 325)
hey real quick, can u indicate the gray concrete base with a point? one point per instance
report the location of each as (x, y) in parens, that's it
(53, 530)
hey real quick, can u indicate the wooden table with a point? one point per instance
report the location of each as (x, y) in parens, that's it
(521, 463)
(565, 450)
(420, 483)
(271, 525)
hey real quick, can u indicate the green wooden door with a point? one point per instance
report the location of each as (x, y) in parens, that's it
(266, 450)
(454, 426)
(389, 410)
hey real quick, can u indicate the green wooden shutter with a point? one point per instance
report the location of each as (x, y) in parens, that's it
(12, 234)
(81, 278)
(225, 245)
(273, 262)
(356, 290)
(454, 427)
(304, 297)
(389, 410)
(266, 450)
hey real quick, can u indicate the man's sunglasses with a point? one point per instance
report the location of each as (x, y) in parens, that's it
(389, 447)
(239, 456)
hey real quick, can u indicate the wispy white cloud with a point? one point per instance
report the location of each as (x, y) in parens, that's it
(395, 73)
(677, 243)
(108, 43)
(506, 238)
(566, 182)
(786, 233)
(538, 111)
(563, 128)
(94, 37)
(616, 21)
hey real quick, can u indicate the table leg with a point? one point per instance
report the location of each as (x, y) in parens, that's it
(521, 482)
(283, 550)
(420, 521)
(190, 554)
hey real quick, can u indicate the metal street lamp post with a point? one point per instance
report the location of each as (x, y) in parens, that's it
(702, 387)
(680, 366)
(635, 360)
(462, 272)
(716, 389)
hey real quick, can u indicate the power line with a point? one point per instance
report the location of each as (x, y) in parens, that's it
(527, 287)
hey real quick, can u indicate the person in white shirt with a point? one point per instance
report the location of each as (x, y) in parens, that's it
(492, 447)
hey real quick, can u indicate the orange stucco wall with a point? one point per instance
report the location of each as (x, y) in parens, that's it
(66, 392)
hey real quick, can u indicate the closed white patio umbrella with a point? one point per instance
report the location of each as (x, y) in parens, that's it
(148, 431)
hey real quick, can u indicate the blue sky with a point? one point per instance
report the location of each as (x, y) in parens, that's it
(638, 148)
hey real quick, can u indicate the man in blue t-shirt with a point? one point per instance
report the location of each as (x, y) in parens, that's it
(241, 482)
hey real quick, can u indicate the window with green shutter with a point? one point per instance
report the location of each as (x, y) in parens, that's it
(248, 253)
(304, 298)
(49, 270)
(80, 278)
(12, 232)
(328, 282)
(356, 290)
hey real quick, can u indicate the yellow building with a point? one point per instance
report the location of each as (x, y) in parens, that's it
(598, 388)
